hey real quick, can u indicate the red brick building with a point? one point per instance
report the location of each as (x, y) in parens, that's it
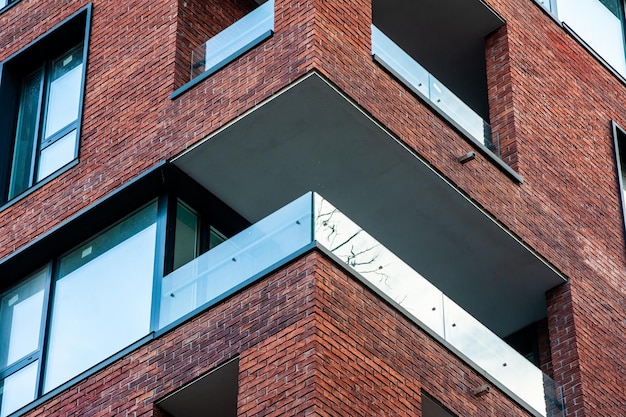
(346, 208)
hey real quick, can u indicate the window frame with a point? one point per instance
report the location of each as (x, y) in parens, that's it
(61, 39)
(165, 184)
(618, 133)
(8, 5)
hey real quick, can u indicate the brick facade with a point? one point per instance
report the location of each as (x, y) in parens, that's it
(310, 341)
(321, 335)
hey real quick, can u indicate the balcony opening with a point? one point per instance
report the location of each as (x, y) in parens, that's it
(214, 33)
(437, 48)
(432, 407)
(213, 394)
(311, 137)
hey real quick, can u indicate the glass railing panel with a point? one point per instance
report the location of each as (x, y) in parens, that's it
(398, 281)
(460, 112)
(228, 266)
(546, 4)
(234, 40)
(430, 308)
(414, 76)
(599, 26)
(489, 352)
(399, 63)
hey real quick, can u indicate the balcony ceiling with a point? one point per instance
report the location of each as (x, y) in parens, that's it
(310, 137)
(447, 37)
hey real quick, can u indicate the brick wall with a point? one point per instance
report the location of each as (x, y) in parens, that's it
(556, 116)
(311, 341)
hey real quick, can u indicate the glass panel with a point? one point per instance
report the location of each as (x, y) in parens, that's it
(186, 239)
(18, 389)
(20, 319)
(57, 155)
(216, 237)
(414, 76)
(26, 134)
(460, 112)
(234, 40)
(401, 64)
(599, 26)
(489, 352)
(64, 91)
(378, 265)
(102, 297)
(228, 266)
(431, 309)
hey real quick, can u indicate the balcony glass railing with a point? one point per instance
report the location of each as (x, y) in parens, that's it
(233, 41)
(598, 23)
(230, 265)
(312, 220)
(420, 81)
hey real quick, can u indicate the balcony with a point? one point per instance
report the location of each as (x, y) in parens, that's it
(433, 91)
(230, 44)
(312, 221)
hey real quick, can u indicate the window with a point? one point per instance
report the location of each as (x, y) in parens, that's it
(21, 317)
(5, 3)
(619, 139)
(45, 83)
(102, 294)
(102, 297)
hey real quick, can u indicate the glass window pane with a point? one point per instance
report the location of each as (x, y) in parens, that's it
(215, 237)
(186, 239)
(18, 389)
(64, 91)
(102, 297)
(57, 155)
(26, 134)
(20, 319)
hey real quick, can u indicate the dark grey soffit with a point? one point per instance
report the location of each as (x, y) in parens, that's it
(310, 137)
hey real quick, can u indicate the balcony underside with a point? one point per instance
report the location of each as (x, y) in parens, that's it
(310, 137)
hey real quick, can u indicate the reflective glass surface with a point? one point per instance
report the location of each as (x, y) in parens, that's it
(102, 297)
(414, 76)
(430, 308)
(227, 266)
(64, 91)
(20, 319)
(234, 40)
(58, 154)
(18, 389)
(186, 235)
(398, 281)
(26, 134)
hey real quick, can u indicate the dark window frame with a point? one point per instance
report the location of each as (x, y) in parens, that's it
(42, 51)
(10, 3)
(167, 185)
(619, 135)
